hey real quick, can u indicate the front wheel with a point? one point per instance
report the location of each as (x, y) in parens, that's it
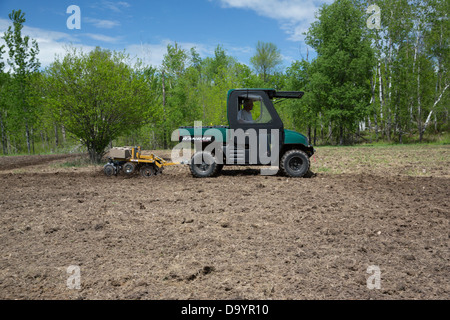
(204, 165)
(295, 163)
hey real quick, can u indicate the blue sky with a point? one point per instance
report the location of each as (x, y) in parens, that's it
(144, 28)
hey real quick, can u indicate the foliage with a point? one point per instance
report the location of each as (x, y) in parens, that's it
(23, 63)
(266, 59)
(98, 97)
(341, 73)
(388, 84)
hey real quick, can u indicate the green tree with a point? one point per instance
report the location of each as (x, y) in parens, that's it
(266, 59)
(220, 74)
(151, 130)
(46, 120)
(424, 63)
(173, 101)
(410, 82)
(23, 62)
(220, 59)
(396, 25)
(302, 113)
(342, 70)
(3, 98)
(98, 97)
(437, 48)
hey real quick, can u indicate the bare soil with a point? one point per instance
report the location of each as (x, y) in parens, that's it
(237, 236)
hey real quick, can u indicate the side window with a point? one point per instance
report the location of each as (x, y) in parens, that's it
(260, 113)
(252, 109)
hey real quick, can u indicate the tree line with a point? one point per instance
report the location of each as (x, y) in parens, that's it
(388, 83)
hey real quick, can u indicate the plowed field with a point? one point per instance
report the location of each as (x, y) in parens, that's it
(237, 236)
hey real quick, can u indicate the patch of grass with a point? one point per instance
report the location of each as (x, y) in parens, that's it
(39, 150)
(440, 138)
(410, 160)
(323, 169)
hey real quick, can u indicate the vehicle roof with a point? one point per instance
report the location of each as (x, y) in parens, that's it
(272, 93)
(249, 89)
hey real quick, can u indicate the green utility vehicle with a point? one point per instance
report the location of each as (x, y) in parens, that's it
(262, 140)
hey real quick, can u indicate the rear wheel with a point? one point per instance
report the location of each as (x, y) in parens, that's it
(295, 163)
(147, 171)
(109, 170)
(204, 165)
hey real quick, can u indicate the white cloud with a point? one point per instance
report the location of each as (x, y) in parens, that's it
(102, 37)
(153, 54)
(150, 54)
(103, 24)
(115, 6)
(51, 43)
(295, 16)
(123, 4)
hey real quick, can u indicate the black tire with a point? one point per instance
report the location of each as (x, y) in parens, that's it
(310, 174)
(109, 170)
(203, 165)
(218, 169)
(295, 163)
(128, 168)
(147, 171)
(158, 170)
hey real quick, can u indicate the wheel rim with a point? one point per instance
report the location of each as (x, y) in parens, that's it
(147, 171)
(203, 166)
(295, 164)
(109, 170)
(128, 169)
